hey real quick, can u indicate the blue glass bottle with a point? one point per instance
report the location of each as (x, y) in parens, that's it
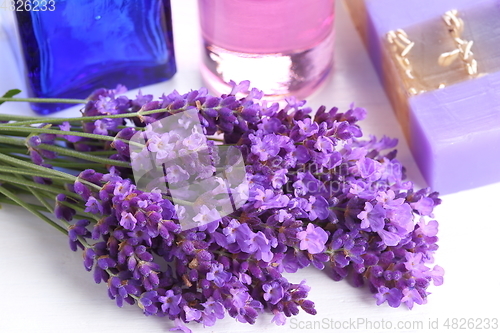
(72, 47)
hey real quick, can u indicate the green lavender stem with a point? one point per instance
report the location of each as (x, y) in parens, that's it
(33, 211)
(14, 161)
(37, 207)
(31, 130)
(44, 100)
(31, 121)
(84, 156)
(76, 166)
(81, 211)
(67, 152)
(18, 171)
(31, 184)
(41, 199)
(23, 120)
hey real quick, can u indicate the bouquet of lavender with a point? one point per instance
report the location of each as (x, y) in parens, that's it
(192, 206)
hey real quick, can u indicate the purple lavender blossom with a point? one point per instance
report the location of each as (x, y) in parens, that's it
(411, 296)
(218, 275)
(392, 296)
(265, 147)
(170, 303)
(319, 196)
(312, 239)
(372, 217)
(273, 292)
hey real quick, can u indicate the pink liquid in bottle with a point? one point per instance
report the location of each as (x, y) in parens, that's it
(284, 47)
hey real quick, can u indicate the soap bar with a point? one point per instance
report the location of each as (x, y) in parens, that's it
(439, 63)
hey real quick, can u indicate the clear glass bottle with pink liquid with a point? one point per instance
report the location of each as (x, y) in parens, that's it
(284, 47)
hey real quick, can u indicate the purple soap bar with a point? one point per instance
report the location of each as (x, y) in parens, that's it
(450, 113)
(385, 15)
(455, 134)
